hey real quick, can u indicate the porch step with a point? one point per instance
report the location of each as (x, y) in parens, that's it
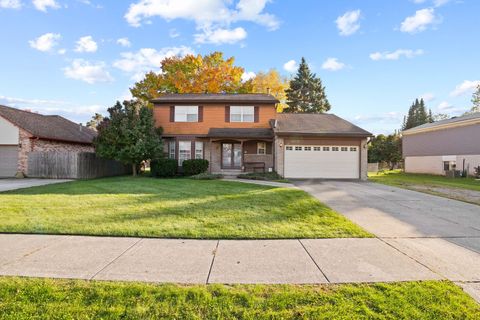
(230, 173)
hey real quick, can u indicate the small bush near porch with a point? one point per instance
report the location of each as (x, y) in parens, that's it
(177, 208)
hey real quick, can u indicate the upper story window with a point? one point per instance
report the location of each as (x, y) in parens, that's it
(186, 113)
(242, 114)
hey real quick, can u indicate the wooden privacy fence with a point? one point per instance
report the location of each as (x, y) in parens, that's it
(72, 165)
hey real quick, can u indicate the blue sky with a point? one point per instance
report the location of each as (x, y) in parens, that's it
(78, 57)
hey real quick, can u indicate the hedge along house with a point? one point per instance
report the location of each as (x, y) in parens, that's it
(23, 132)
(243, 132)
(434, 148)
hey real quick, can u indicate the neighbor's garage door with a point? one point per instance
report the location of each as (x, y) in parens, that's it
(8, 161)
(327, 162)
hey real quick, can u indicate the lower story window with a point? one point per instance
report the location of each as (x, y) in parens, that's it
(171, 149)
(184, 151)
(261, 148)
(198, 150)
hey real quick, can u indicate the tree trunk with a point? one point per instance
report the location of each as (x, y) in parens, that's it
(134, 169)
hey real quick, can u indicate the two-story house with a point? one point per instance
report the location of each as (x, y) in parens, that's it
(242, 132)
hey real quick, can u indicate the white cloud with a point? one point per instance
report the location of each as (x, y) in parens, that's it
(220, 36)
(203, 12)
(444, 106)
(395, 55)
(124, 42)
(212, 17)
(333, 64)
(248, 75)
(439, 3)
(420, 21)
(147, 59)
(89, 72)
(62, 51)
(10, 4)
(43, 5)
(86, 44)
(427, 97)
(465, 87)
(45, 42)
(348, 24)
(290, 66)
(388, 117)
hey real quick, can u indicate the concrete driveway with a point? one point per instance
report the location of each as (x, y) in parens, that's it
(14, 184)
(439, 233)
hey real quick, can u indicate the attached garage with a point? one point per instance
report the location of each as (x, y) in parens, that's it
(8, 161)
(323, 162)
(320, 146)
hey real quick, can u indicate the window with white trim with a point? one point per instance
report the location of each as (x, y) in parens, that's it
(317, 149)
(307, 148)
(334, 148)
(298, 148)
(261, 147)
(242, 114)
(326, 148)
(344, 148)
(289, 148)
(184, 151)
(198, 150)
(171, 150)
(353, 149)
(186, 113)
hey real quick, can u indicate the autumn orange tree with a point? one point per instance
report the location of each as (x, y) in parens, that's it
(271, 82)
(193, 74)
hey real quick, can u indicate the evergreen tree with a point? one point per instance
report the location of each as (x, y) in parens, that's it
(306, 92)
(417, 115)
(129, 134)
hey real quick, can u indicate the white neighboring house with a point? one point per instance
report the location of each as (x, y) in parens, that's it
(22, 132)
(436, 147)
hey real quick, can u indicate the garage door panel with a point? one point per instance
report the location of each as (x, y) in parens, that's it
(322, 164)
(8, 161)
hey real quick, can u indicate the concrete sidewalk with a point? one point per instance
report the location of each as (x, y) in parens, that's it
(208, 261)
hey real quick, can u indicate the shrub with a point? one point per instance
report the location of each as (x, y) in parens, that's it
(194, 166)
(206, 176)
(163, 168)
(268, 176)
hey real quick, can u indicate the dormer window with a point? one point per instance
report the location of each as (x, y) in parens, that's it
(242, 114)
(186, 113)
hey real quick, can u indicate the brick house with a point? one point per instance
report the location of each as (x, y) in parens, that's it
(243, 132)
(22, 132)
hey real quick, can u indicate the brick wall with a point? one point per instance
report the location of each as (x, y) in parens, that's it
(27, 144)
(213, 117)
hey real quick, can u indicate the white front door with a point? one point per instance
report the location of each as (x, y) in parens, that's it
(323, 162)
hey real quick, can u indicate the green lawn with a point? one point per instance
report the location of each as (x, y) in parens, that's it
(23, 298)
(402, 179)
(177, 208)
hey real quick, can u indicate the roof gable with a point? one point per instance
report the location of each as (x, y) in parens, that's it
(48, 127)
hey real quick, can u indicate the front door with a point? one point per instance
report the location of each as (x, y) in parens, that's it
(231, 155)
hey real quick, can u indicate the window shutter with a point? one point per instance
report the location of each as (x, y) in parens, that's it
(256, 114)
(227, 113)
(200, 113)
(172, 113)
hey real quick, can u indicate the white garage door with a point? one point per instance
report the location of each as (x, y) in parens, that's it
(326, 162)
(8, 161)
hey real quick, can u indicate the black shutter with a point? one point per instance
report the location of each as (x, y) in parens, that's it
(172, 113)
(227, 113)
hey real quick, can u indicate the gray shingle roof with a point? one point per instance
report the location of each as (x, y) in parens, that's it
(216, 98)
(447, 121)
(322, 124)
(48, 127)
(247, 133)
